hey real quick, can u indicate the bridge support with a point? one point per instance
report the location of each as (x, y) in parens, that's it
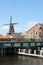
(41, 51)
(19, 50)
(2, 52)
(34, 51)
(23, 50)
(29, 51)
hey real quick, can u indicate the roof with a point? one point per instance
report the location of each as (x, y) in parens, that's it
(33, 26)
(5, 37)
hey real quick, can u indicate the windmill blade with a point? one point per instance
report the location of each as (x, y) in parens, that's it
(10, 19)
(6, 24)
(14, 23)
(11, 24)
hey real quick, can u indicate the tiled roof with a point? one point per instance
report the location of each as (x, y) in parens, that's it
(5, 37)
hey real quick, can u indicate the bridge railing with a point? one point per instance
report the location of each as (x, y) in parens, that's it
(38, 40)
(24, 39)
(21, 44)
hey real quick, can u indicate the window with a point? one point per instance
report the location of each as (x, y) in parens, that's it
(30, 34)
(35, 32)
(39, 34)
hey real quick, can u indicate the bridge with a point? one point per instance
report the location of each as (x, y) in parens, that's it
(21, 44)
(8, 47)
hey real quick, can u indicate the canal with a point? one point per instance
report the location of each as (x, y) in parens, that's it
(20, 60)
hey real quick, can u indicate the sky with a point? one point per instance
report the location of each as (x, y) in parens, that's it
(24, 12)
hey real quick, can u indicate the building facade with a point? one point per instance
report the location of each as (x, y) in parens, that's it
(36, 32)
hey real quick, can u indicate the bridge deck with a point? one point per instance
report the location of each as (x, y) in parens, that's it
(20, 44)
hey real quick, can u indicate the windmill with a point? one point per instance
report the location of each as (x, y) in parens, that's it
(11, 27)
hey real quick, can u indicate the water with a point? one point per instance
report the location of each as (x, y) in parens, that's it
(20, 60)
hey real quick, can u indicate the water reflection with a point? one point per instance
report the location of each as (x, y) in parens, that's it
(20, 60)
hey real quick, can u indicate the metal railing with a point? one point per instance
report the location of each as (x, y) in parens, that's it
(24, 39)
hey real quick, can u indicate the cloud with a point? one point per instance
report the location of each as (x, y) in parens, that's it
(4, 30)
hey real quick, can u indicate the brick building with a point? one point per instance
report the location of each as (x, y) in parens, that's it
(36, 32)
